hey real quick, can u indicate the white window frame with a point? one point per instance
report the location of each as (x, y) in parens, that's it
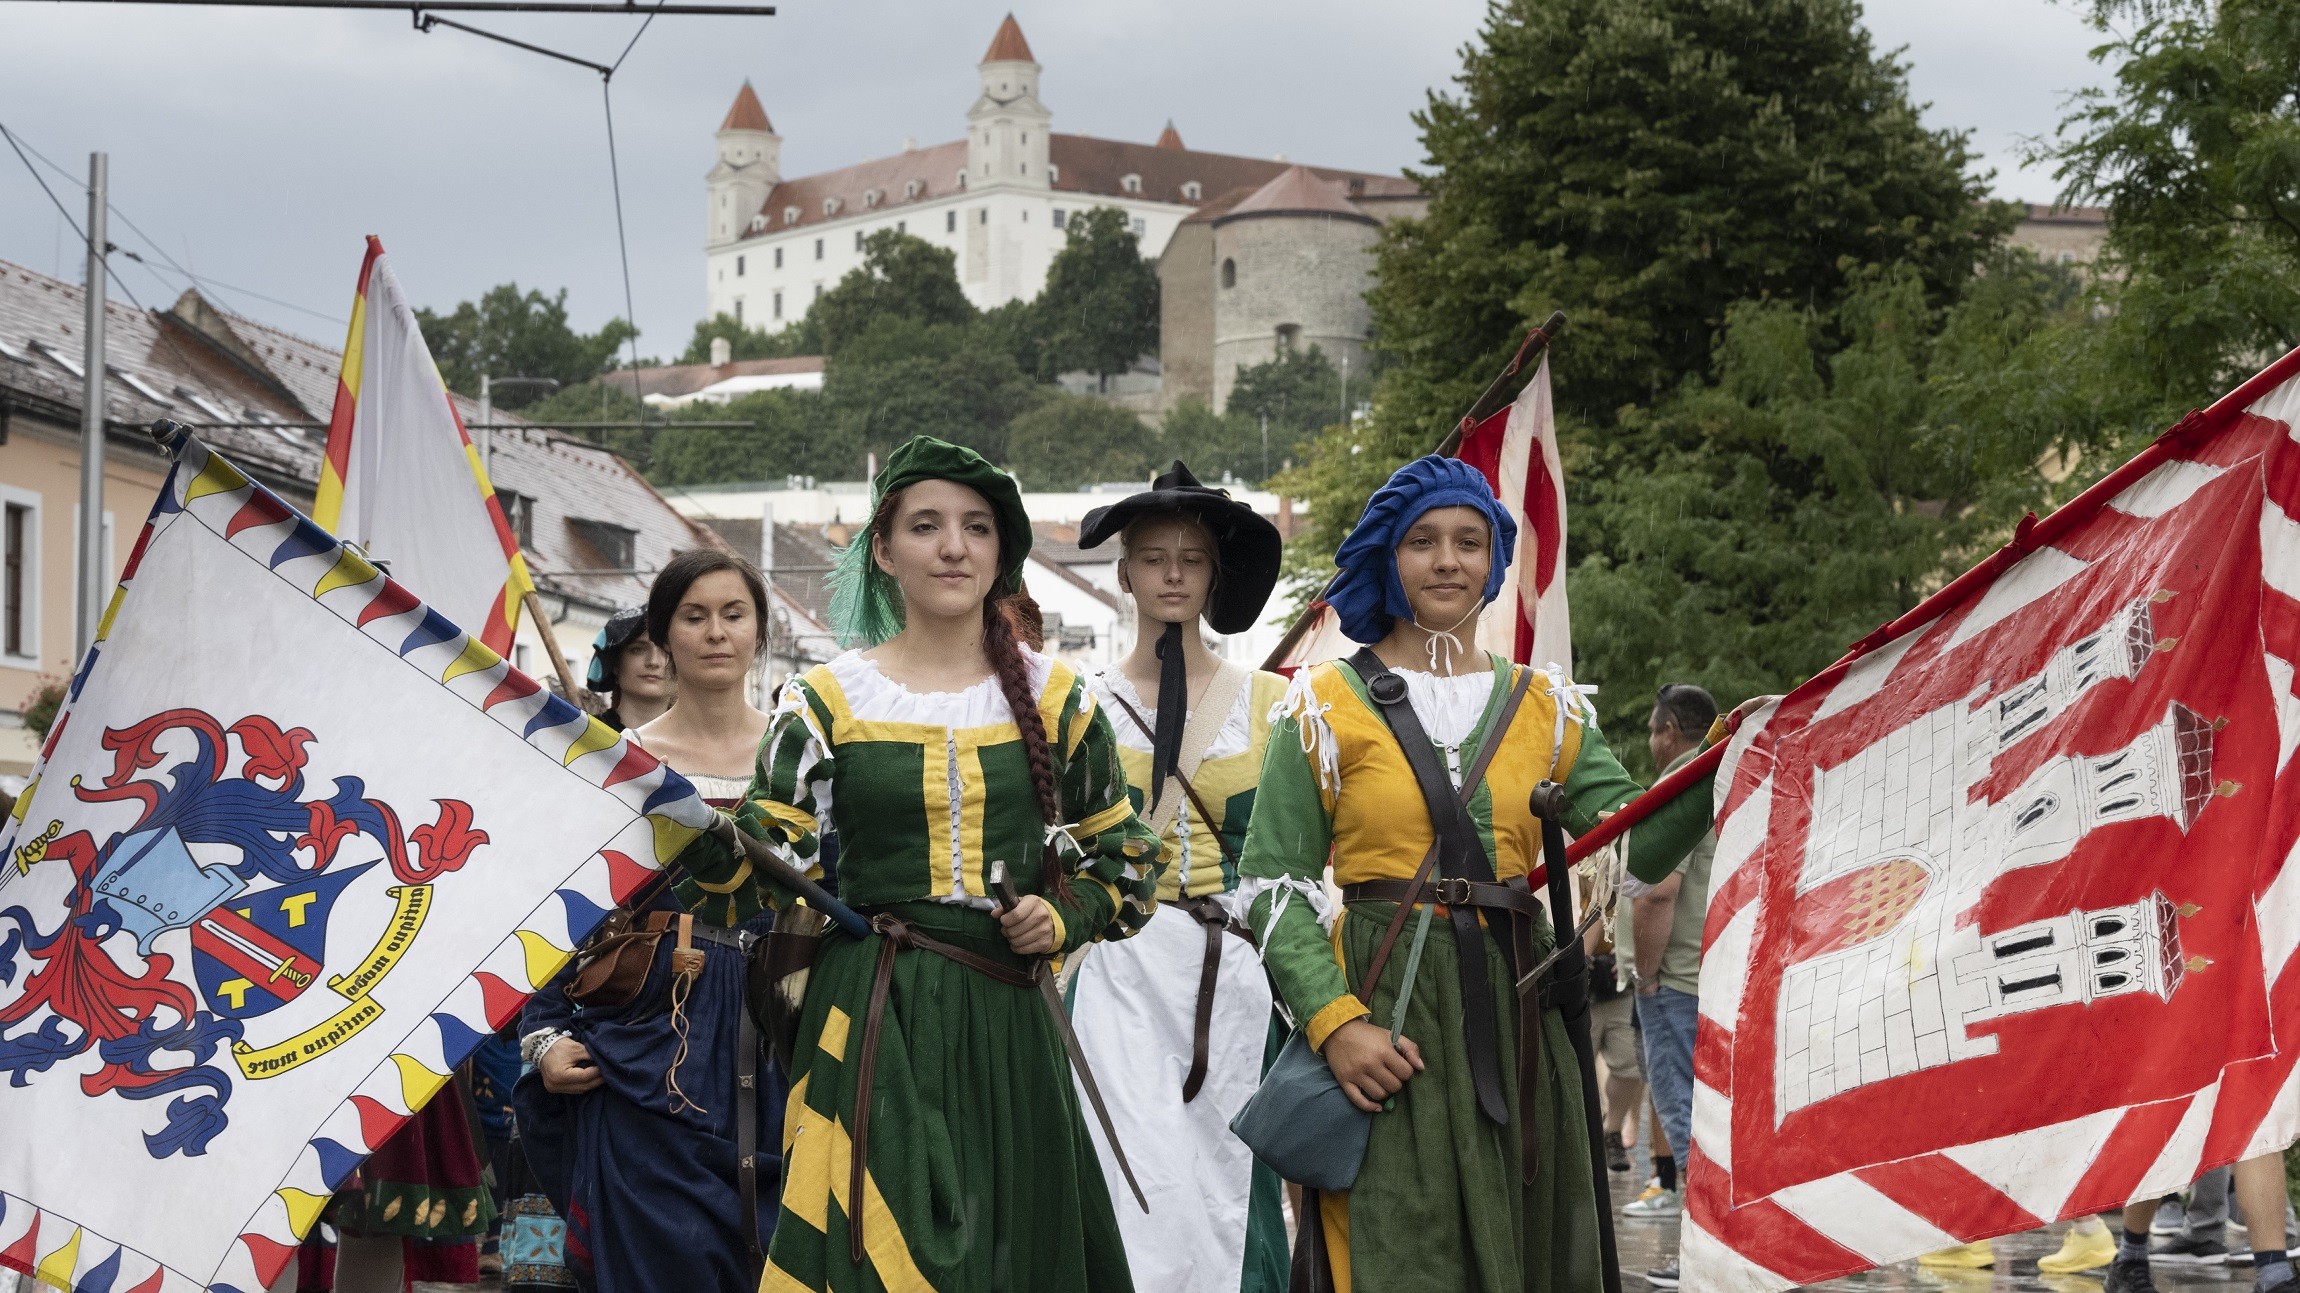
(11, 496)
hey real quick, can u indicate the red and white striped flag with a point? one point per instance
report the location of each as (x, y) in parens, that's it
(401, 478)
(2001, 925)
(1517, 450)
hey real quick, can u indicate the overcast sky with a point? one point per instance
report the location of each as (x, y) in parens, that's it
(257, 146)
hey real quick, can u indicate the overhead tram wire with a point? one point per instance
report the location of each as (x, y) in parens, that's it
(205, 283)
(460, 6)
(109, 273)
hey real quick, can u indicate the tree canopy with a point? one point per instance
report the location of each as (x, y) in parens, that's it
(1099, 311)
(507, 333)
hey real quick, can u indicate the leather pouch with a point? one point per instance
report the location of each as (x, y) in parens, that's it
(775, 977)
(613, 966)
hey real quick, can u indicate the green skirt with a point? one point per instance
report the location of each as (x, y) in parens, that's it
(980, 1173)
(1440, 1202)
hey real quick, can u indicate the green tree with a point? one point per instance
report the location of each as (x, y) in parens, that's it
(902, 277)
(1070, 441)
(801, 338)
(903, 376)
(1099, 312)
(2195, 150)
(1300, 392)
(1213, 443)
(507, 333)
(790, 433)
(1837, 470)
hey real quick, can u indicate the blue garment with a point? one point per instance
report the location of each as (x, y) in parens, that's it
(651, 1196)
(1366, 596)
(494, 1071)
(1669, 1018)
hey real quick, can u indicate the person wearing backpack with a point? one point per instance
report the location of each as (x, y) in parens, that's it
(1477, 1171)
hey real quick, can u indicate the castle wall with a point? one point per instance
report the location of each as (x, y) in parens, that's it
(1308, 273)
(1186, 280)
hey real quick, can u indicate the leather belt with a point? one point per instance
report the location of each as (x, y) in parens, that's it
(1210, 912)
(1448, 891)
(897, 935)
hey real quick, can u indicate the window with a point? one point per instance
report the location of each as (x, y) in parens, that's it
(950, 222)
(962, 178)
(1139, 227)
(11, 352)
(790, 215)
(2047, 981)
(911, 189)
(617, 544)
(19, 574)
(818, 249)
(519, 514)
(1061, 218)
(858, 240)
(902, 226)
(1130, 183)
(871, 198)
(830, 206)
(778, 305)
(1190, 191)
(2021, 944)
(982, 216)
(778, 258)
(1229, 273)
(818, 291)
(1026, 139)
(206, 405)
(1288, 334)
(1053, 173)
(142, 387)
(1026, 215)
(738, 309)
(738, 267)
(60, 359)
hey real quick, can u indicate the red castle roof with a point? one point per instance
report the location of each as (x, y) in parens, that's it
(746, 114)
(1008, 46)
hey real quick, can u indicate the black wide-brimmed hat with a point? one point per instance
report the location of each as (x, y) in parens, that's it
(1246, 546)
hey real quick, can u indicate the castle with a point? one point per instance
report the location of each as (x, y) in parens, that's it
(1269, 255)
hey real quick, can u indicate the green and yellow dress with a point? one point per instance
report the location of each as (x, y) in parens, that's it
(1439, 1201)
(980, 1175)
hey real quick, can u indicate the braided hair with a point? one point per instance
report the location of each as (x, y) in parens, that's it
(1005, 621)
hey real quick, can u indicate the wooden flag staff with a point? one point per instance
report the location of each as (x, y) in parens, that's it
(534, 607)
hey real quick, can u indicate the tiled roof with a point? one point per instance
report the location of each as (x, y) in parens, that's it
(1082, 165)
(1297, 192)
(574, 482)
(1008, 46)
(686, 379)
(1218, 206)
(155, 357)
(1169, 137)
(747, 114)
(2043, 214)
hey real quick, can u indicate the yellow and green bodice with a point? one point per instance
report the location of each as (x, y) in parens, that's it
(1336, 785)
(1197, 863)
(925, 791)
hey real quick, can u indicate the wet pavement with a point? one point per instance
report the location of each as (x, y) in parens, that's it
(1647, 1244)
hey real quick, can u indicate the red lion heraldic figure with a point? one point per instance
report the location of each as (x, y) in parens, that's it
(234, 852)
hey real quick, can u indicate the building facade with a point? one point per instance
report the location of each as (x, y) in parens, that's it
(1000, 199)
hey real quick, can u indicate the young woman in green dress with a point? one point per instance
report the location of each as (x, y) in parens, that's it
(1445, 1198)
(931, 1104)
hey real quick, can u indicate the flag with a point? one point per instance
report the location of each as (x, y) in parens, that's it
(401, 478)
(2001, 917)
(294, 846)
(1516, 448)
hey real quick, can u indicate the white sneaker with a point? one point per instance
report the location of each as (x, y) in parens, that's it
(1656, 1204)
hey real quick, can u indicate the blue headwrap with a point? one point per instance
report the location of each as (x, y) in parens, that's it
(1367, 595)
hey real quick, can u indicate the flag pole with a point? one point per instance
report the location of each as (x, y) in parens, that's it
(534, 607)
(1491, 399)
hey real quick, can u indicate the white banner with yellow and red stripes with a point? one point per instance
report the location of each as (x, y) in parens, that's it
(402, 479)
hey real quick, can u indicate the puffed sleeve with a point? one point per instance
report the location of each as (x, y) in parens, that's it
(1281, 891)
(788, 798)
(1597, 783)
(1113, 858)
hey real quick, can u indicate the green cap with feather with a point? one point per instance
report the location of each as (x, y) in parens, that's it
(866, 606)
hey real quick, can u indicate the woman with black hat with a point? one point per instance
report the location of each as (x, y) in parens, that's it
(1176, 1020)
(629, 672)
(935, 1139)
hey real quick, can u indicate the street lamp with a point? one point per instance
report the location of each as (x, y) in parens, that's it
(487, 387)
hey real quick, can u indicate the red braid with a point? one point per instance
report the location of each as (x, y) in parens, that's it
(1000, 643)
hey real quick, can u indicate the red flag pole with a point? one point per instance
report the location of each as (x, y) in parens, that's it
(2030, 534)
(1484, 406)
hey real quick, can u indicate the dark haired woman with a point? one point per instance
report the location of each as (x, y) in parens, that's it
(632, 1116)
(935, 1140)
(1445, 1197)
(1176, 1020)
(629, 672)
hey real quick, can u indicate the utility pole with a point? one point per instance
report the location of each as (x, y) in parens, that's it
(1345, 390)
(95, 575)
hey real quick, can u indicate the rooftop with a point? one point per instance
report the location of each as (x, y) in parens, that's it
(1008, 46)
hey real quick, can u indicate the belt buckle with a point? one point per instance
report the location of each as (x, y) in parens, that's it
(1453, 891)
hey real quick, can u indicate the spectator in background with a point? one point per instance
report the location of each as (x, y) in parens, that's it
(629, 673)
(2260, 1192)
(1665, 920)
(1613, 1028)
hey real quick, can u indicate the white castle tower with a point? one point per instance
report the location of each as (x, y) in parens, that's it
(750, 165)
(1007, 140)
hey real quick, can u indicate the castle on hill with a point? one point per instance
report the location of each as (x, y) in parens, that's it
(1271, 256)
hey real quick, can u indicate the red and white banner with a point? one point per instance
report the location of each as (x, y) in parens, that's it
(2001, 926)
(1517, 450)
